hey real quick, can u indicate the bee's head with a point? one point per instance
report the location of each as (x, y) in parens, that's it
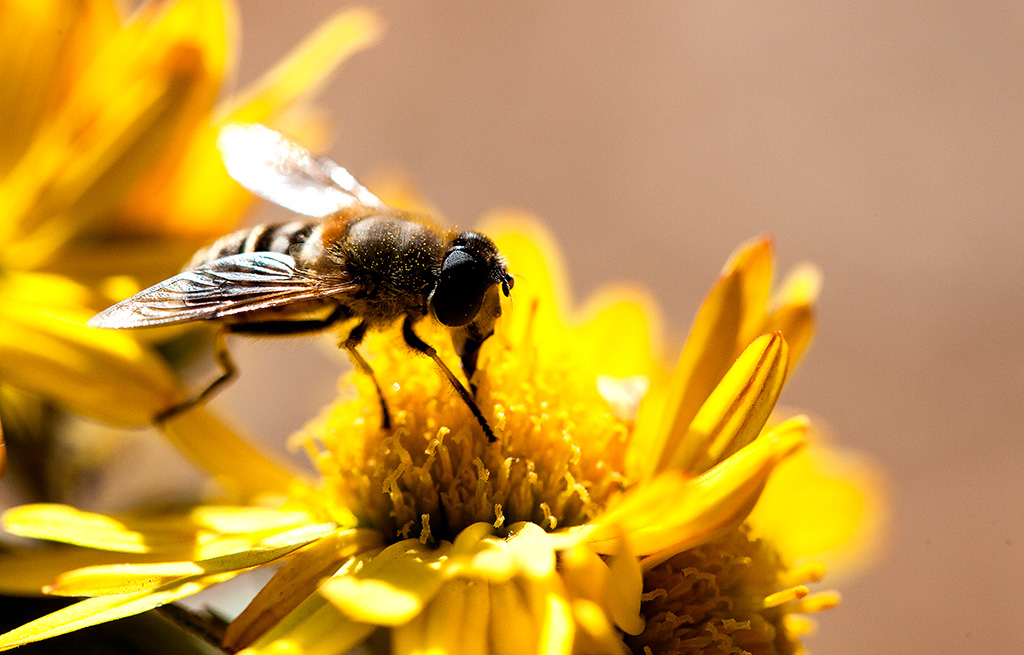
(471, 265)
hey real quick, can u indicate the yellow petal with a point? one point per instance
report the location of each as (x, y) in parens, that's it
(236, 465)
(94, 611)
(302, 74)
(298, 579)
(622, 324)
(594, 632)
(624, 586)
(824, 505)
(69, 525)
(191, 195)
(729, 311)
(456, 621)
(604, 593)
(729, 491)
(228, 519)
(669, 513)
(391, 587)
(557, 625)
(706, 356)
(199, 533)
(45, 347)
(527, 616)
(26, 571)
(517, 631)
(527, 550)
(793, 312)
(142, 87)
(43, 43)
(540, 297)
(584, 572)
(314, 628)
(734, 413)
(105, 580)
(754, 261)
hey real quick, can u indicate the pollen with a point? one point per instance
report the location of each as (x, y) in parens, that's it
(557, 461)
(725, 597)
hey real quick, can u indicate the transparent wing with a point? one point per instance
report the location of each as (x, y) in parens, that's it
(285, 173)
(224, 287)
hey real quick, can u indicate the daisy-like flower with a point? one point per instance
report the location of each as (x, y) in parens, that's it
(608, 516)
(108, 166)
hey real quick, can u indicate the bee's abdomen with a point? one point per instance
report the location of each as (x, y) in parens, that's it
(267, 237)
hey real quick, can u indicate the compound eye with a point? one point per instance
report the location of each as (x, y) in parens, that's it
(460, 292)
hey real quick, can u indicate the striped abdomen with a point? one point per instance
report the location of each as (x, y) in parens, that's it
(300, 239)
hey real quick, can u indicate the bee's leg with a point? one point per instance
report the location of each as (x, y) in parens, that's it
(228, 371)
(227, 366)
(355, 337)
(419, 345)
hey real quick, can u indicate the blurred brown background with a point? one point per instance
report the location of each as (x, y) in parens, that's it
(883, 141)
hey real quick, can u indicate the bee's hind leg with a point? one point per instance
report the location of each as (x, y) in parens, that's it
(419, 345)
(355, 337)
(227, 366)
(228, 371)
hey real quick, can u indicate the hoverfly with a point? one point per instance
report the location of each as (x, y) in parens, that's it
(356, 260)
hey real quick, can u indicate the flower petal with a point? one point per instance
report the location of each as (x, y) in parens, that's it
(623, 324)
(191, 194)
(670, 512)
(613, 585)
(298, 579)
(240, 468)
(456, 621)
(63, 35)
(734, 413)
(557, 625)
(45, 347)
(300, 75)
(105, 580)
(69, 525)
(314, 628)
(146, 82)
(624, 587)
(824, 505)
(594, 632)
(94, 611)
(26, 571)
(389, 587)
(517, 631)
(540, 296)
(793, 310)
(199, 533)
(527, 550)
(729, 313)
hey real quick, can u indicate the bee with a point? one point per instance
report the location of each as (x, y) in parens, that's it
(356, 259)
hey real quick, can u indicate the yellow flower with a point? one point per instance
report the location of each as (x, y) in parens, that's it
(609, 514)
(109, 130)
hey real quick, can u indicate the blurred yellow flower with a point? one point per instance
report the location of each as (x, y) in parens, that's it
(109, 142)
(609, 515)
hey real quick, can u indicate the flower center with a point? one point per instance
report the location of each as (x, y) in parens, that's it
(558, 457)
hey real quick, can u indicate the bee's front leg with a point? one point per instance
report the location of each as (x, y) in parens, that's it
(419, 345)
